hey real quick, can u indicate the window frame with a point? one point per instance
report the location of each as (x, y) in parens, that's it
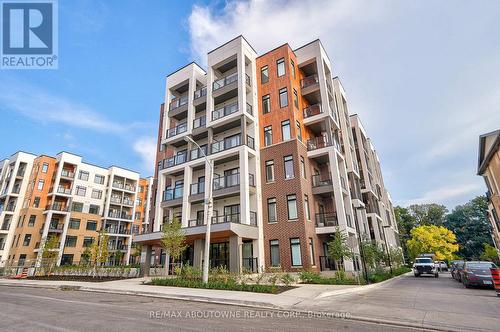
(289, 199)
(288, 160)
(286, 124)
(262, 70)
(266, 100)
(274, 244)
(280, 64)
(283, 92)
(268, 130)
(269, 165)
(295, 242)
(271, 202)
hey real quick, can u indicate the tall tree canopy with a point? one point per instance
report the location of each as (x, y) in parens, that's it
(428, 214)
(433, 239)
(470, 224)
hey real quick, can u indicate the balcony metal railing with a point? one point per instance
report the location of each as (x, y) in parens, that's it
(55, 227)
(226, 143)
(172, 193)
(20, 172)
(178, 159)
(5, 226)
(249, 109)
(115, 199)
(318, 143)
(2, 246)
(251, 142)
(225, 81)
(116, 230)
(200, 92)
(308, 81)
(57, 207)
(177, 130)
(198, 153)
(195, 222)
(319, 180)
(118, 215)
(200, 122)
(10, 208)
(226, 181)
(327, 219)
(221, 112)
(178, 102)
(16, 190)
(312, 110)
(62, 190)
(234, 218)
(197, 188)
(67, 174)
(343, 183)
(247, 79)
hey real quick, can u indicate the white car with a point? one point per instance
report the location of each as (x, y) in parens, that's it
(441, 265)
(424, 265)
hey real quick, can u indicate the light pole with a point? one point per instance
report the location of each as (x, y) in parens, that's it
(387, 247)
(209, 202)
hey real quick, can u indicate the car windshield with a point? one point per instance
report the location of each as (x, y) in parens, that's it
(480, 265)
(423, 260)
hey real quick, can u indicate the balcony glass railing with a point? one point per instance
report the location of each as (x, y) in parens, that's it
(200, 122)
(67, 174)
(195, 222)
(178, 159)
(327, 219)
(200, 92)
(318, 143)
(197, 188)
(178, 102)
(247, 79)
(319, 180)
(308, 81)
(172, 193)
(62, 190)
(235, 218)
(57, 207)
(249, 109)
(117, 215)
(198, 153)
(312, 110)
(226, 143)
(225, 81)
(221, 112)
(226, 181)
(177, 130)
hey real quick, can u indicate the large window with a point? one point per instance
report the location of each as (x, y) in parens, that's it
(87, 241)
(289, 172)
(77, 207)
(96, 193)
(291, 202)
(292, 65)
(274, 250)
(80, 191)
(71, 241)
(83, 175)
(40, 184)
(45, 168)
(306, 207)
(269, 170)
(299, 131)
(271, 210)
(302, 167)
(94, 209)
(285, 130)
(264, 75)
(27, 240)
(268, 135)
(91, 225)
(295, 99)
(266, 104)
(283, 97)
(36, 202)
(280, 65)
(99, 179)
(74, 223)
(295, 252)
(32, 220)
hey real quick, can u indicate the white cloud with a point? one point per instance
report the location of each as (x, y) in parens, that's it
(444, 194)
(145, 147)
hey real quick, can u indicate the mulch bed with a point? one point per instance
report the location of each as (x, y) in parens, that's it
(76, 278)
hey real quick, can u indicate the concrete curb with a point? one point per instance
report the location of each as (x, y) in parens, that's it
(360, 289)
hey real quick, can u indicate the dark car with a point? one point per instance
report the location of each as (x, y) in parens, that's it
(477, 273)
(455, 268)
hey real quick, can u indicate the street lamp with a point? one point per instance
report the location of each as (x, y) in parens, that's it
(387, 247)
(209, 210)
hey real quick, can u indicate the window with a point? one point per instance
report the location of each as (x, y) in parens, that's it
(264, 75)
(87, 241)
(280, 64)
(292, 65)
(94, 209)
(275, 252)
(36, 202)
(306, 207)
(74, 223)
(269, 170)
(271, 210)
(289, 173)
(32, 220)
(99, 179)
(285, 130)
(45, 168)
(40, 184)
(83, 175)
(27, 239)
(295, 99)
(311, 250)
(291, 201)
(97, 194)
(302, 167)
(137, 216)
(295, 252)
(283, 97)
(91, 225)
(80, 191)
(266, 104)
(77, 207)
(299, 131)
(268, 135)
(71, 241)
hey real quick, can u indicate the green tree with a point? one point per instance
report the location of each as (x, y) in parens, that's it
(85, 256)
(490, 253)
(118, 257)
(337, 246)
(173, 239)
(372, 253)
(428, 214)
(99, 252)
(406, 222)
(50, 253)
(471, 226)
(432, 239)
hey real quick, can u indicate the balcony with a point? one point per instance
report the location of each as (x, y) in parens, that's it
(16, 190)
(178, 102)
(312, 111)
(327, 219)
(124, 186)
(249, 109)
(179, 159)
(195, 223)
(2, 246)
(235, 218)
(117, 215)
(5, 226)
(222, 82)
(20, 172)
(115, 200)
(57, 207)
(10, 208)
(128, 201)
(198, 152)
(67, 174)
(116, 230)
(200, 93)
(200, 122)
(309, 84)
(62, 190)
(226, 144)
(177, 130)
(229, 185)
(318, 143)
(224, 111)
(172, 196)
(55, 228)
(322, 184)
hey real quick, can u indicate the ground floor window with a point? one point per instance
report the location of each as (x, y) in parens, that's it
(67, 259)
(275, 252)
(295, 252)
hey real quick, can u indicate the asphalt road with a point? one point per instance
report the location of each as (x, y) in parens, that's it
(425, 301)
(35, 309)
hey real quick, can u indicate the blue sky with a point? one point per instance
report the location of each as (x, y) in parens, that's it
(422, 76)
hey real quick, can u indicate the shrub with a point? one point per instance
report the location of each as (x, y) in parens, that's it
(287, 279)
(214, 284)
(309, 277)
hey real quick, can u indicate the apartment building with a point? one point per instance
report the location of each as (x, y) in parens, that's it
(277, 131)
(489, 169)
(73, 200)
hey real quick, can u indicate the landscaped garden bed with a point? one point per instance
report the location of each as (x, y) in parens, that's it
(75, 278)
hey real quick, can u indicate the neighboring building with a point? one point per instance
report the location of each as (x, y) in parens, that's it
(73, 200)
(489, 169)
(277, 129)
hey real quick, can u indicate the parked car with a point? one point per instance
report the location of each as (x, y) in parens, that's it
(477, 273)
(441, 265)
(424, 265)
(456, 268)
